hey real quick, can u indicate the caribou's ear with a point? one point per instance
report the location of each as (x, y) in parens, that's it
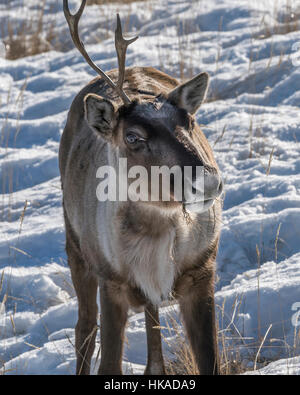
(99, 113)
(190, 94)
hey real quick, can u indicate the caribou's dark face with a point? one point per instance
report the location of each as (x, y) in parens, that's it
(159, 137)
(162, 134)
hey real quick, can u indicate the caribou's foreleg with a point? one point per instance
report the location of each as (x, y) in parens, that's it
(86, 289)
(198, 311)
(114, 309)
(155, 361)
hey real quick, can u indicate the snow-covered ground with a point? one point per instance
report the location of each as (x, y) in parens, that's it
(251, 118)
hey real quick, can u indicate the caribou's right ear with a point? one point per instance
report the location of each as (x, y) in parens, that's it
(99, 113)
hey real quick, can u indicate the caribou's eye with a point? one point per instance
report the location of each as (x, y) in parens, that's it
(131, 138)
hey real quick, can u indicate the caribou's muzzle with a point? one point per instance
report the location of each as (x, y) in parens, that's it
(201, 191)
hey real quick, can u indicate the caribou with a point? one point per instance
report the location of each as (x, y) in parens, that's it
(139, 254)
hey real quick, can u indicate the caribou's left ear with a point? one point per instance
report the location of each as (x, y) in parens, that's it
(99, 113)
(190, 94)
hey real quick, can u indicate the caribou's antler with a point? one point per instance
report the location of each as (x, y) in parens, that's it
(120, 43)
(121, 48)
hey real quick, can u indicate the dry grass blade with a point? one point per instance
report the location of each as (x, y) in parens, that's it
(260, 347)
(270, 161)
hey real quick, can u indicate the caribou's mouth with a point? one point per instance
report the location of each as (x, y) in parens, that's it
(200, 206)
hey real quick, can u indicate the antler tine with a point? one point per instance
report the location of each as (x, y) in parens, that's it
(121, 47)
(73, 21)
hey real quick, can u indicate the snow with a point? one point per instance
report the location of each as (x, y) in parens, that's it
(290, 366)
(251, 119)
